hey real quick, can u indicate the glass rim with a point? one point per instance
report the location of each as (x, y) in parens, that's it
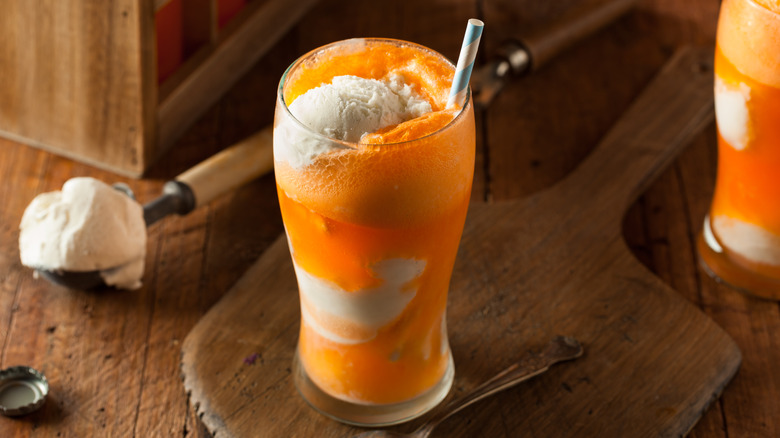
(356, 145)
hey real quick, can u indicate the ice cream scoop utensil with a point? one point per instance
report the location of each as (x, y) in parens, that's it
(526, 54)
(74, 280)
(222, 173)
(209, 179)
(560, 349)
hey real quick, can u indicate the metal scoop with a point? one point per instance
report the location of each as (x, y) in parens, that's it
(526, 54)
(224, 172)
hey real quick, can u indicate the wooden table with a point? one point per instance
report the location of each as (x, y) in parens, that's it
(112, 357)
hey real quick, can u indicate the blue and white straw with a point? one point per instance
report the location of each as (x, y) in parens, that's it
(468, 53)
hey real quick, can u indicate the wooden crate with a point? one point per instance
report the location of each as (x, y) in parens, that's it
(79, 77)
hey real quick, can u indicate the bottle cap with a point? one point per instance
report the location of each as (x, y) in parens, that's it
(22, 390)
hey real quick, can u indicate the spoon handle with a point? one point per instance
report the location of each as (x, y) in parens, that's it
(560, 349)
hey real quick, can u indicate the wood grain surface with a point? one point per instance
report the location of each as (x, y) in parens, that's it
(78, 78)
(527, 270)
(112, 358)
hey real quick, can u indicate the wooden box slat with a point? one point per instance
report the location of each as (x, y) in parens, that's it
(236, 50)
(199, 24)
(74, 79)
(78, 77)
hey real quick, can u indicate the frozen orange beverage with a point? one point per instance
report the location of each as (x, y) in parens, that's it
(374, 179)
(740, 243)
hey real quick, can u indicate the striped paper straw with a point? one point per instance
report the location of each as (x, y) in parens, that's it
(468, 52)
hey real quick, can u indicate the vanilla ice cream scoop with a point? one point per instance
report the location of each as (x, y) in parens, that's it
(346, 109)
(350, 107)
(90, 234)
(87, 226)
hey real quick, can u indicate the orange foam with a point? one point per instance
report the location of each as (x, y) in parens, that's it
(772, 5)
(412, 129)
(356, 186)
(748, 36)
(422, 69)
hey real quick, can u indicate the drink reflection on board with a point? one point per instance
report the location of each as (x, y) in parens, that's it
(740, 242)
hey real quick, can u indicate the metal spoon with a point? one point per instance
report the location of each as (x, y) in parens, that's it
(225, 171)
(560, 349)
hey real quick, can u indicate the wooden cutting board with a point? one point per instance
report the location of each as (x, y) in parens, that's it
(553, 263)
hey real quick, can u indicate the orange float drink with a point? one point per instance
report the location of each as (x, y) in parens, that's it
(374, 179)
(740, 243)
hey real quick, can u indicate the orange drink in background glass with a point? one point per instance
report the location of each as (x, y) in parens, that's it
(373, 227)
(740, 242)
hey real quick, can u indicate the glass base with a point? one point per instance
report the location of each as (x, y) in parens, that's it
(370, 415)
(723, 268)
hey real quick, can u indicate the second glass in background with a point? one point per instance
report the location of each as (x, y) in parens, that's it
(740, 242)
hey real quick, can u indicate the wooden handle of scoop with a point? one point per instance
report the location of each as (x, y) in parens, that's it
(572, 27)
(231, 168)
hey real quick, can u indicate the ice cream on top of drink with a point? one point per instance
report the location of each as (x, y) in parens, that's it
(373, 220)
(368, 103)
(350, 107)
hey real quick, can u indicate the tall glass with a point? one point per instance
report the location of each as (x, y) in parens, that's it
(373, 231)
(740, 242)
